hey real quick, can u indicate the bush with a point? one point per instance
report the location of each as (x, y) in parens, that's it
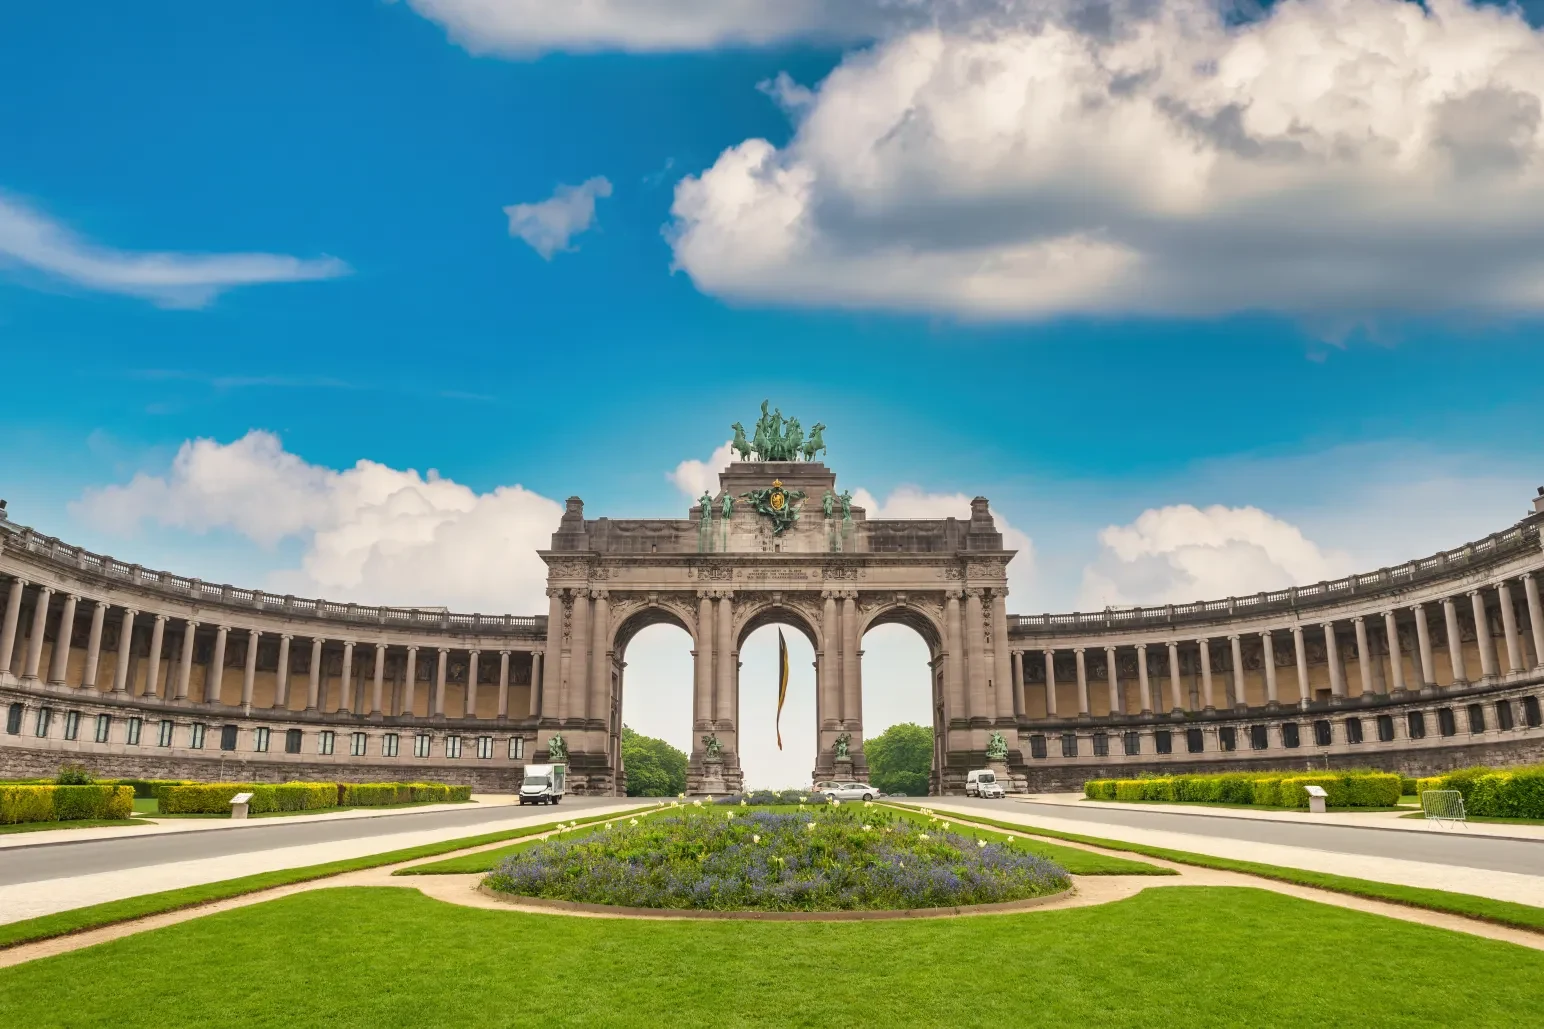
(1265, 792)
(439, 792)
(1408, 787)
(306, 796)
(1099, 789)
(214, 798)
(145, 789)
(1131, 790)
(372, 794)
(26, 804)
(1488, 793)
(74, 775)
(63, 803)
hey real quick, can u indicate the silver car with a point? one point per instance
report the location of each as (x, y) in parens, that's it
(846, 790)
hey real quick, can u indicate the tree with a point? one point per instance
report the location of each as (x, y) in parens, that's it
(900, 759)
(654, 768)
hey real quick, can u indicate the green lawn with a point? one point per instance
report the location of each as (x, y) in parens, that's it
(1488, 819)
(486, 861)
(1246, 807)
(1182, 956)
(1078, 862)
(78, 823)
(152, 807)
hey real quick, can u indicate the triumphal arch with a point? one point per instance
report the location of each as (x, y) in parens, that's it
(776, 543)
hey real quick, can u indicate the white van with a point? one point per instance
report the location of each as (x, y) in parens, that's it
(543, 784)
(982, 782)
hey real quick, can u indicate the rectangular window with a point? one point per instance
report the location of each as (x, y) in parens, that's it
(196, 738)
(324, 742)
(1227, 738)
(516, 748)
(1101, 744)
(1037, 747)
(1194, 741)
(228, 737)
(1323, 735)
(1447, 725)
(1163, 741)
(1289, 736)
(1069, 744)
(485, 747)
(421, 744)
(104, 725)
(45, 719)
(1259, 739)
(389, 745)
(453, 746)
(132, 736)
(1132, 743)
(1476, 717)
(1416, 721)
(1531, 712)
(356, 744)
(291, 741)
(13, 719)
(1503, 715)
(260, 739)
(72, 725)
(1385, 728)
(165, 738)
(1353, 730)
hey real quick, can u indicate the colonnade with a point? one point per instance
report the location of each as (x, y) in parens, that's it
(1215, 682)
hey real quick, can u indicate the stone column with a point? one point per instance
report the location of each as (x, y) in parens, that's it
(471, 684)
(59, 660)
(1019, 710)
(1455, 640)
(88, 676)
(439, 681)
(852, 697)
(1112, 677)
(314, 684)
(185, 663)
(378, 679)
(410, 676)
(1423, 646)
(1268, 659)
(600, 664)
(125, 651)
(1514, 642)
(1002, 677)
(346, 679)
(1482, 635)
(1050, 684)
(1236, 648)
(1208, 699)
(703, 656)
(1084, 710)
(538, 664)
(1396, 658)
(503, 684)
(8, 627)
(1363, 654)
(975, 655)
(954, 659)
(577, 696)
(827, 664)
(153, 673)
(1143, 682)
(724, 662)
(1174, 680)
(1332, 655)
(551, 671)
(216, 670)
(34, 657)
(1300, 655)
(1535, 617)
(249, 672)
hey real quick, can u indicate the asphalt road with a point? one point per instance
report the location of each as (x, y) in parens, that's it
(1455, 848)
(32, 864)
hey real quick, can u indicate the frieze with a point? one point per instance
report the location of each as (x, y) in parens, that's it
(565, 568)
(771, 574)
(840, 571)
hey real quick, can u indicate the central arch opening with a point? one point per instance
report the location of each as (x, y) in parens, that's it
(764, 765)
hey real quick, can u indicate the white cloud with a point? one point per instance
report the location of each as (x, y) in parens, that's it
(370, 533)
(1335, 157)
(32, 241)
(1183, 553)
(693, 477)
(550, 224)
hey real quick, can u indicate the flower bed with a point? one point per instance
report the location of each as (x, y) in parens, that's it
(845, 858)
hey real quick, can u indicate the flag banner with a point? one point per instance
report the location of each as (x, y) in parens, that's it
(782, 683)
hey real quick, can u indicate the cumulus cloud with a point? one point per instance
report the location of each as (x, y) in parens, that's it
(1335, 157)
(1182, 553)
(370, 533)
(33, 242)
(550, 224)
(693, 477)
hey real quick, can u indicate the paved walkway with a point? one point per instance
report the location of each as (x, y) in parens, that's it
(43, 880)
(1502, 869)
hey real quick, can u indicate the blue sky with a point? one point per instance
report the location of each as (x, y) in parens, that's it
(1369, 390)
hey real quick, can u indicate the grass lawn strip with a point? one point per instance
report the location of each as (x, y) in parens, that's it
(78, 823)
(1501, 912)
(95, 916)
(151, 809)
(1243, 807)
(1078, 862)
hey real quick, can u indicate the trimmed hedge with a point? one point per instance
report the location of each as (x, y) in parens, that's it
(215, 798)
(64, 803)
(1493, 793)
(1259, 789)
(145, 789)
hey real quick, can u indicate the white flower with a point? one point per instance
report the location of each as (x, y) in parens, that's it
(900, 864)
(696, 803)
(810, 826)
(803, 799)
(946, 825)
(755, 838)
(867, 827)
(868, 803)
(742, 802)
(681, 795)
(981, 843)
(923, 836)
(835, 802)
(633, 822)
(729, 815)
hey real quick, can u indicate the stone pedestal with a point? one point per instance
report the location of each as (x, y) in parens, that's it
(1010, 783)
(841, 768)
(713, 783)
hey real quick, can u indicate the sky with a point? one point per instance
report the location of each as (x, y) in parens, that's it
(345, 299)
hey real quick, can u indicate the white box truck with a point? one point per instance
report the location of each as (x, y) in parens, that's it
(543, 784)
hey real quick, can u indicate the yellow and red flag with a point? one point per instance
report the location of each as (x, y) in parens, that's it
(782, 683)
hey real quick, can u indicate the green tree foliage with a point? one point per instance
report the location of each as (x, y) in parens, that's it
(901, 758)
(654, 767)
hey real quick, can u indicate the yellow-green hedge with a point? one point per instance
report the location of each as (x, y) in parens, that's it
(1260, 789)
(215, 798)
(1493, 793)
(63, 803)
